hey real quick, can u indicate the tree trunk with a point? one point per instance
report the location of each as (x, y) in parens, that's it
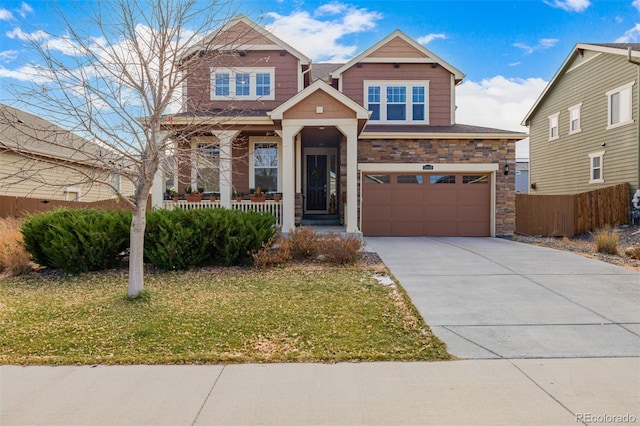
(136, 250)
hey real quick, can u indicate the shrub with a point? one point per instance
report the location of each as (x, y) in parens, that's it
(606, 241)
(303, 243)
(14, 259)
(340, 249)
(78, 240)
(633, 252)
(273, 253)
(182, 239)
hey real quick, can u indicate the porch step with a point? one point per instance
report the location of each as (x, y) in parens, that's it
(320, 220)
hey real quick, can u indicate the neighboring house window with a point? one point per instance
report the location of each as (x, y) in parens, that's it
(265, 165)
(242, 83)
(397, 101)
(596, 167)
(72, 194)
(115, 184)
(619, 105)
(574, 119)
(553, 126)
(208, 170)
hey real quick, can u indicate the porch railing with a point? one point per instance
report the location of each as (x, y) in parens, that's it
(269, 206)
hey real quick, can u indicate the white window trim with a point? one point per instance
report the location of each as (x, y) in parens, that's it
(253, 140)
(599, 154)
(630, 106)
(579, 109)
(72, 190)
(252, 83)
(555, 116)
(409, 104)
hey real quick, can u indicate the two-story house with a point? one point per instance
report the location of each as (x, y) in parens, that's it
(585, 131)
(372, 143)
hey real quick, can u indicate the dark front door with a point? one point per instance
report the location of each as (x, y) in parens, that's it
(316, 182)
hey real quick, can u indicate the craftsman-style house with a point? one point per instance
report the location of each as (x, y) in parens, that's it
(372, 144)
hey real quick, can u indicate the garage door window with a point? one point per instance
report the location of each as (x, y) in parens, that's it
(442, 179)
(414, 179)
(379, 179)
(472, 179)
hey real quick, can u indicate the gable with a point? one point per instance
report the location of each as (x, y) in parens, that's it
(397, 48)
(238, 35)
(330, 106)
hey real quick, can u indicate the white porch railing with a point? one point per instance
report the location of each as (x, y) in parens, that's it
(269, 206)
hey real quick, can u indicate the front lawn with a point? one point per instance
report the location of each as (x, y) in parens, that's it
(301, 313)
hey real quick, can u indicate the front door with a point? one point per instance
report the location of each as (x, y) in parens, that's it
(316, 199)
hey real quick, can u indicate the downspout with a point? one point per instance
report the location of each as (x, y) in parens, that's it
(638, 107)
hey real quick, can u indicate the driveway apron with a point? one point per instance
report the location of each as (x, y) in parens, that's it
(494, 298)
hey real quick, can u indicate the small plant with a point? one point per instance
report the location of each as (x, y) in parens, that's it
(340, 249)
(303, 243)
(201, 189)
(14, 259)
(606, 241)
(252, 191)
(188, 190)
(633, 252)
(273, 253)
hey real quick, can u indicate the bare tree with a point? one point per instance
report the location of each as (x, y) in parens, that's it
(112, 77)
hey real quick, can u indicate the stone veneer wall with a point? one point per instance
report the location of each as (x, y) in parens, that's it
(456, 151)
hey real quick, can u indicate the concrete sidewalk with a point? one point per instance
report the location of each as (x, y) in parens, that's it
(472, 392)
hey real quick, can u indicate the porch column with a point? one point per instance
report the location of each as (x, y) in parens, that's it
(225, 138)
(351, 214)
(289, 133)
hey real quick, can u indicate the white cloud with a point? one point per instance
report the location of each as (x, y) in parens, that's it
(5, 15)
(570, 5)
(430, 37)
(631, 35)
(514, 64)
(8, 55)
(38, 35)
(28, 73)
(497, 102)
(636, 4)
(24, 9)
(543, 43)
(319, 38)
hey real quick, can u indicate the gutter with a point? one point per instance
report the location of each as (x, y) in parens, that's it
(638, 104)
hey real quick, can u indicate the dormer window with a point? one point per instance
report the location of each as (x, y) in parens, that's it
(397, 101)
(242, 84)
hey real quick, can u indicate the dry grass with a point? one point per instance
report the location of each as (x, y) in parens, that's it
(606, 241)
(302, 313)
(14, 259)
(633, 252)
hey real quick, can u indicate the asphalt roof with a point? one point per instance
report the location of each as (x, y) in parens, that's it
(625, 46)
(454, 128)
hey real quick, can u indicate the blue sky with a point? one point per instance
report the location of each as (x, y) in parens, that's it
(509, 50)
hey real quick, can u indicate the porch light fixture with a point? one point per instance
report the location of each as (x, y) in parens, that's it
(242, 53)
(434, 65)
(396, 65)
(506, 169)
(283, 53)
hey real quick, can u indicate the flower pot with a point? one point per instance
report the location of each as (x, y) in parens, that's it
(192, 198)
(258, 198)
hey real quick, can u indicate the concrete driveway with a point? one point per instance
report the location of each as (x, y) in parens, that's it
(494, 298)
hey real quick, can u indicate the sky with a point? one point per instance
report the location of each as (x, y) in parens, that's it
(509, 50)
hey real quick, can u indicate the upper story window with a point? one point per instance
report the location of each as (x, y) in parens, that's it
(397, 101)
(242, 84)
(553, 126)
(574, 119)
(619, 106)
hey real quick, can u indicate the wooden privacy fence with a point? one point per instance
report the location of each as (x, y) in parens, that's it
(568, 215)
(19, 206)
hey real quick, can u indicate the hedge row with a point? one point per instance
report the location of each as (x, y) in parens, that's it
(88, 240)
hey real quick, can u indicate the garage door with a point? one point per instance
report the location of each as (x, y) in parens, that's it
(409, 204)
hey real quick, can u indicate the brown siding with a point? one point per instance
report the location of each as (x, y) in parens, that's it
(499, 152)
(331, 108)
(240, 34)
(439, 85)
(397, 48)
(199, 80)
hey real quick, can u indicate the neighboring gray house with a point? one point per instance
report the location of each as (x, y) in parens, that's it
(522, 176)
(584, 128)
